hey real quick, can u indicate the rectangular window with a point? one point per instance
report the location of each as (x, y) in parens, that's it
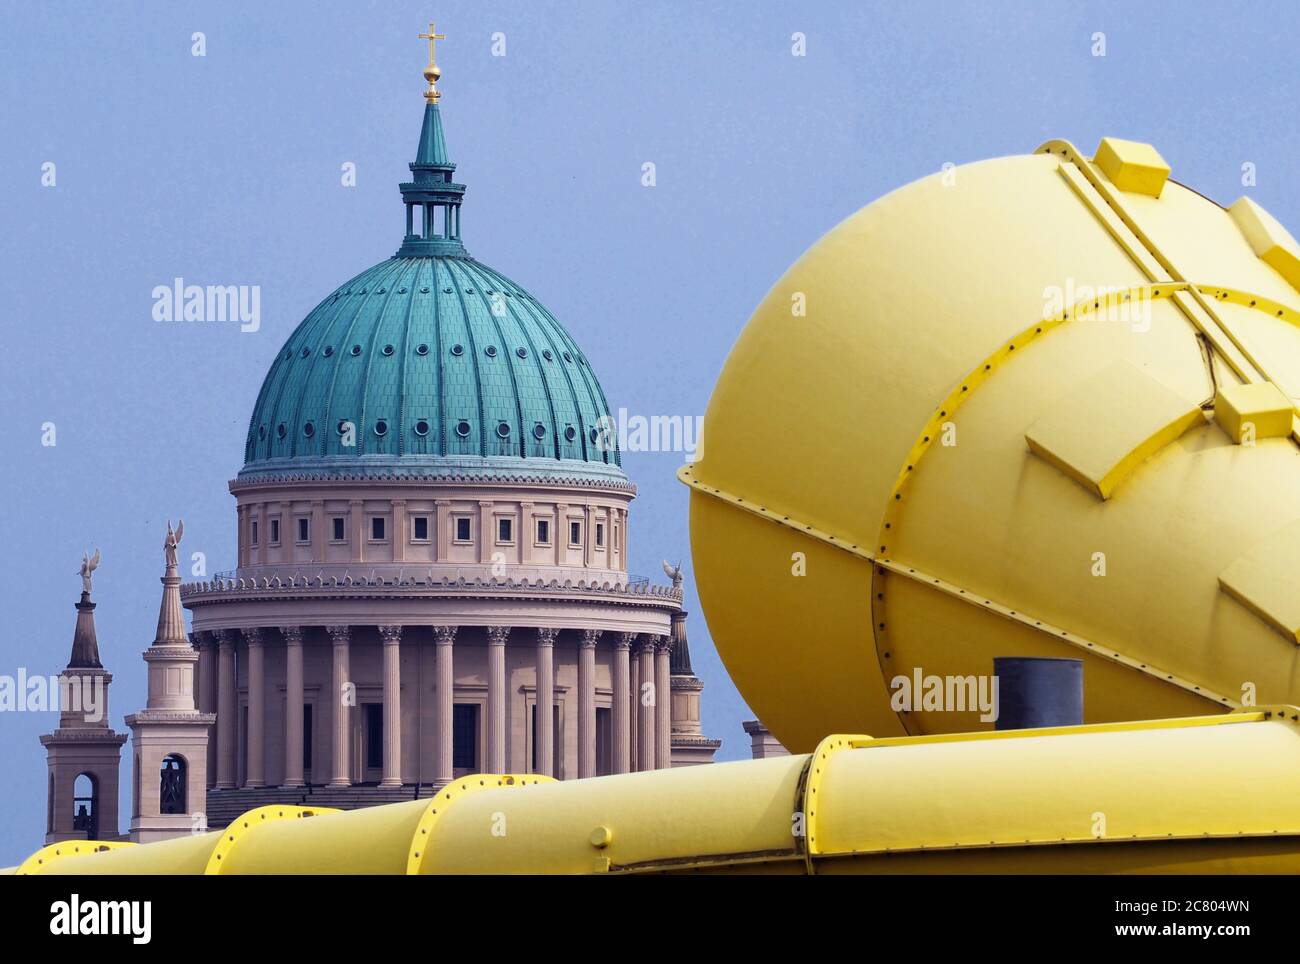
(464, 737)
(505, 530)
(374, 735)
(304, 529)
(575, 533)
(254, 532)
(339, 528)
(543, 532)
(604, 741)
(306, 736)
(600, 533)
(462, 528)
(275, 532)
(421, 530)
(377, 529)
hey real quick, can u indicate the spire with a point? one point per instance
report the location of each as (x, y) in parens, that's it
(433, 142)
(431, 198)
(85, 645)
(171, 620)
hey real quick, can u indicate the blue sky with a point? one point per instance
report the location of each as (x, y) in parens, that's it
(225, 169)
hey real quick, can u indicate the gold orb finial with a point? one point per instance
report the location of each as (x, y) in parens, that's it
(431, 72)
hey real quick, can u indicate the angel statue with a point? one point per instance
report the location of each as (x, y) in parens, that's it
(89, 564)
(674, 573)
(172, 541)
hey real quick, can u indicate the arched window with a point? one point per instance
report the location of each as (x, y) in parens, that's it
(171, 792)
(85, 805)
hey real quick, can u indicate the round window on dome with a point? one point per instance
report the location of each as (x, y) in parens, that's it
(261, 431)
(546, 353)
(503, 430)
(458, 350)
(309, 430)
(422, 349)
(593, 436)
(421, 427)
(281, 431)
(539, 431)
(344, 426)
(462, 428)
(570, 433)
(401, 291)
(388, 349)
(329, 350)
(490, 351)
(568, 357)
(381, 428)
(356, 350)
(424, 291)
(521, 352)
(305, 351)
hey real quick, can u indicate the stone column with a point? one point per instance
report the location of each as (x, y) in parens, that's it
(645, 701)
(255, 774)
(340, 699)
(293, 703)
(587, 703)
(622, 704)
(320, 539)
(663, 704)
(487, 537)
(545, 701)
(496, 705)
(400, 536)
(526, 533)
(392, 636)
(226, 710)
(357, 525)
(443, 703)
(207, 693)
(634, 706)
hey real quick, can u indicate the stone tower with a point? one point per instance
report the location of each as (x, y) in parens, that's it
(690, 745)
(83, 754)
(170, 736)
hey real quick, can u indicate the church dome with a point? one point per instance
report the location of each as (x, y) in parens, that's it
(431, 363)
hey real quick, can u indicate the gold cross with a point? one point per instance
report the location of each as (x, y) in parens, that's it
(432, 73)
(433, 37)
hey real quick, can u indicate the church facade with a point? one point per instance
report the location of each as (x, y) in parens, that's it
(431, 579)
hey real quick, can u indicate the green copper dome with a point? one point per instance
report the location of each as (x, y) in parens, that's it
(431, 363)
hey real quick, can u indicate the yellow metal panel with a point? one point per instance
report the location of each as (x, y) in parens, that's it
(1271, 242)
(1131, 166)
(43, 860)
(1251, 412)
(736, 814)
(1081, 786)
(1105, 428)
(1263, 580)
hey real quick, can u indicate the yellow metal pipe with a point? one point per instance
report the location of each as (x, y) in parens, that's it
(1161, 796)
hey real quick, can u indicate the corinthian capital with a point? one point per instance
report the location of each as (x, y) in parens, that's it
(497, 635)
(590, 637)
(292, 635)
(341, 635)
(546, 636)
(445, 635)
(391, 635)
